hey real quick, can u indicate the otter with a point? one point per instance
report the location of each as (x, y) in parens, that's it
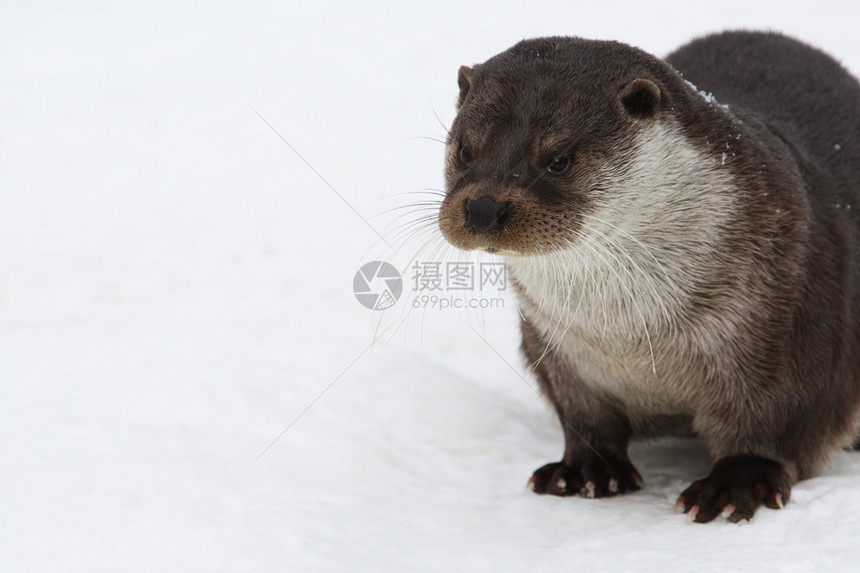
(683, 239)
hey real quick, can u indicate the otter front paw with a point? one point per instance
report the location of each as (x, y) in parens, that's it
(736, 488)
(593, 478)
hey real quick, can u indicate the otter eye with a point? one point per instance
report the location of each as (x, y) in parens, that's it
(559, 163)
(465, 156)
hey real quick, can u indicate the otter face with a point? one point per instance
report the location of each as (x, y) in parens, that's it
(538, 142)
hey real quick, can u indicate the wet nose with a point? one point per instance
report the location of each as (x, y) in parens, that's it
(484, 214)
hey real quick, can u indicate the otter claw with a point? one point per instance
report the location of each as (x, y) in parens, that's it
(591, 480)
(691, 515)
(589, 489)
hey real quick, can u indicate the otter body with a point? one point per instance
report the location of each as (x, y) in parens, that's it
(684, 241)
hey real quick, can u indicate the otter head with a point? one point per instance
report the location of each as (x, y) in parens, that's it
(542, 135)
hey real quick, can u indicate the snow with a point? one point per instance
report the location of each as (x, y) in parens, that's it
(176, 292)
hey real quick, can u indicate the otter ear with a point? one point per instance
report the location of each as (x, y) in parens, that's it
(641, 98)
(464, 80)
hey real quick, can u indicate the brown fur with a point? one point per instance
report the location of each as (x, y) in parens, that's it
(695, 270)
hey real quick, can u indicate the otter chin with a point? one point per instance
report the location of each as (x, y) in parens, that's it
(675, 233)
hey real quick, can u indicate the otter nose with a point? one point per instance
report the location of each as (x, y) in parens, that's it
(485, 214)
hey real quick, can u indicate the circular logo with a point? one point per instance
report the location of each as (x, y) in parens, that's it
(377, 285)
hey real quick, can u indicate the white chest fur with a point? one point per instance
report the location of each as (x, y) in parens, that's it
(613, 302)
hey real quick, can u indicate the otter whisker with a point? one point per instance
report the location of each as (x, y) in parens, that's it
(426, 138)
(420, 215)
(430, 191)
(632, 299)
(567, 283)
(436, 115)
(622, 251)
(669, 280)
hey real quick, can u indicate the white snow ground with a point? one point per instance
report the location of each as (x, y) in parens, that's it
(175, 289)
